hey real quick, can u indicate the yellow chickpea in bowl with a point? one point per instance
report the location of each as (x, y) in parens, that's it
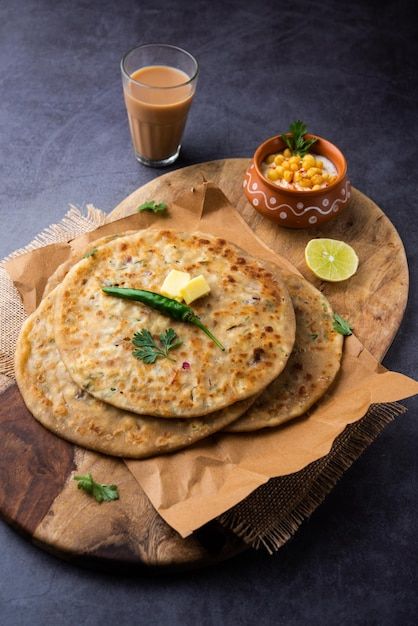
(311, 171)
(297, 179)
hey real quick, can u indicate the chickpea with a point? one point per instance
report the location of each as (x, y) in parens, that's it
(306, 172)
(272, 174)
(308, 161)
(317, 180)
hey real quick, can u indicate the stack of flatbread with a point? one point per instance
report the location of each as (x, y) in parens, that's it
(78, 375)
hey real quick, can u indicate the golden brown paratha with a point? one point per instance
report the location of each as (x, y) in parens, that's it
(311, 368)
(70, 412)
(248, 310)
(62, 270)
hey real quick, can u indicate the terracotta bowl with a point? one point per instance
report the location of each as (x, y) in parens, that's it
(293, 208)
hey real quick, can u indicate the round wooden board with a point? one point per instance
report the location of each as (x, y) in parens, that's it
(37, 493)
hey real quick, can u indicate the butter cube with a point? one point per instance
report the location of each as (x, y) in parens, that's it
(174, 283)
(195, 288)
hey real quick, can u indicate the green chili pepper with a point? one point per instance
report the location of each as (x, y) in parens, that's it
(166, 306)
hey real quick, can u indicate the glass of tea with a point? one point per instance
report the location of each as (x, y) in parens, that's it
(159, 82)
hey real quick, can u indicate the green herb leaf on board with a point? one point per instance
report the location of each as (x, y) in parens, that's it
(153, 207)
(341, 325)
(99, 491)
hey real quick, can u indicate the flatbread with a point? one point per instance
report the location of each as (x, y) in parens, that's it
(311, 368)
(248, 310)
(62, 270)
(62, 407)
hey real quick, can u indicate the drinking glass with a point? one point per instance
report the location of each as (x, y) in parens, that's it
(159, 82)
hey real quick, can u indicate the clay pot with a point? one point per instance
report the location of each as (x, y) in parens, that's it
(293, 208)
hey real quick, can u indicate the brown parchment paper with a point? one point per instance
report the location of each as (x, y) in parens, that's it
(193, 486)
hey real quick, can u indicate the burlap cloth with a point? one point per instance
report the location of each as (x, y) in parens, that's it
(270, 515)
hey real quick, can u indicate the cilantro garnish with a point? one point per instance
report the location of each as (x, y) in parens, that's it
(295, 140)
(147, 349)
(341, 325)
(152, 206)
(101, 492)
(91, 252)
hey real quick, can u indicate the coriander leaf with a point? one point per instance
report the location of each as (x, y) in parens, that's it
(298, 128)
(170, 340)
(341, 325)
(90, 253)
(288, 141)
(307, 144)
(99, 491)
(294, 139)
(148, 354)
(147, 349)
(153, 207)
(143, 338)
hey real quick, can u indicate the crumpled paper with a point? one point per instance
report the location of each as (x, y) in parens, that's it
(193, 486)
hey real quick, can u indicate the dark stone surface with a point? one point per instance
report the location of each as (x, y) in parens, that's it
(349, 70)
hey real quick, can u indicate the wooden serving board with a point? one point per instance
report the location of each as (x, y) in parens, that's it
(37, 493)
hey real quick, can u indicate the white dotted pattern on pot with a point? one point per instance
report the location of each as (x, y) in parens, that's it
(271, 202)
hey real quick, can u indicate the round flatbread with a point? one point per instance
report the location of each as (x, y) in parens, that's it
(62, 270)
(311, 368)
(248, 310)
(70, 412)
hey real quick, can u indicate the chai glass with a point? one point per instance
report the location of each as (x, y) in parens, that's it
(159, 82)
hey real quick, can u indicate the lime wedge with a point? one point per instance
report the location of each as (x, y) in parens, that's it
(331, 259)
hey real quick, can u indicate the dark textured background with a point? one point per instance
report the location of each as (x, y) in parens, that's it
(349, 70)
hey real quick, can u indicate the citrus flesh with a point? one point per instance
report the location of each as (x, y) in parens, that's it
(330, 259)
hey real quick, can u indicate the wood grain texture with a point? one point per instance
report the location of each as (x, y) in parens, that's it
(34, 464)
(39, 497)
(37, 493)
(127, 530)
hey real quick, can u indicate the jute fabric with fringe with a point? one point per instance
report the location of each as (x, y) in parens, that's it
(270, 515)
(12, 314)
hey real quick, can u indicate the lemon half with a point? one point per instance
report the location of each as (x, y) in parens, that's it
(331, 259)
